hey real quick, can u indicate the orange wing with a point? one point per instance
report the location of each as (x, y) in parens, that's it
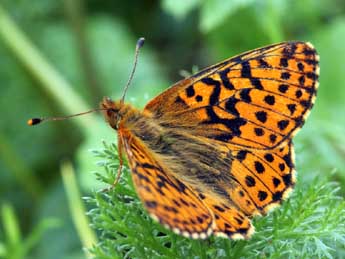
(167, 199)
(263, 179)
(257, 100)
(260, 182)
(230, 221)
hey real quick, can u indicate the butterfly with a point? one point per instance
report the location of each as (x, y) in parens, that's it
(215, 149)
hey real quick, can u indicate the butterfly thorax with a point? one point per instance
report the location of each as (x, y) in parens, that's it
(180, 153)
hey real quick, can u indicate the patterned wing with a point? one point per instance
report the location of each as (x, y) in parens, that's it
(257, 100)
(264, 179)
(231, 222)
(168, 200)
(260, 182)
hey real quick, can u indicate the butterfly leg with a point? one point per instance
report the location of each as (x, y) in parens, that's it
(119, 170)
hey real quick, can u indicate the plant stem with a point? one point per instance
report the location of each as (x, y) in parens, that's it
(77, 209)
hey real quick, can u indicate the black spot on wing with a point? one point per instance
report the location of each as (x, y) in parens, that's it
(273, 138)
(283, 88)
(301, 80)
(276, 182)
(311, 61)
(214, 97)
(241, 155)
(284, 62)
(261, 116)
(262, 195)
(219, 208)
(285, 75)
(282, 167)
(202, 196)
(225, 79)
(269, 99)
(312, 75)
(250, 181)
(230, 106)
(298, 93)
(305, 103)
(300, 67)
(287, 179)
(282, 124)
(245, 95)
(292, 108)
(246, 70)
(190, 92)
(269, 158)
(198, 98)
(256, 83)
(308, 52)
(299, 121)
(259, 132)
(290, 50)
(259, 167)
(263, 63)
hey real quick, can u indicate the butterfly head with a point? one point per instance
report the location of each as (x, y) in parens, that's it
(115, 111)
(111, 111)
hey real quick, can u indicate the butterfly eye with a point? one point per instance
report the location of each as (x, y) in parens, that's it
(112, 112)
(109, 112)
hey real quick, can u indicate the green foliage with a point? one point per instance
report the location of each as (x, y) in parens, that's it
(212, 12)
(12, 244)
(311, 224)
(77, 208)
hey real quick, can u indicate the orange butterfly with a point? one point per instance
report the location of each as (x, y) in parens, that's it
(215, 149)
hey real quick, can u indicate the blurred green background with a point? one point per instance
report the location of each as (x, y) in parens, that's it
(62, 57)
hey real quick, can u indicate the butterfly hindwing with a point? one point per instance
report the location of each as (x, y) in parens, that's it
(230, 221)
(256, 100)
(167, 199)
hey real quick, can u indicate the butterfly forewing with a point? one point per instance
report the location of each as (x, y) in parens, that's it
(256, 100)
(264, 178)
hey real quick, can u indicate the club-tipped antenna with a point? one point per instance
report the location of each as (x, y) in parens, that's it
(35, 121)
(140, 43)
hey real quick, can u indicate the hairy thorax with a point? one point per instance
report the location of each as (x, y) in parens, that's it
(182, 154)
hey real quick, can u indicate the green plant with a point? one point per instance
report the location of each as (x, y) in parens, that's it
(12, 244)
(311, 224)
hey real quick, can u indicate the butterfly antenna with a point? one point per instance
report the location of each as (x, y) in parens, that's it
(140, 43)
(35, 121)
